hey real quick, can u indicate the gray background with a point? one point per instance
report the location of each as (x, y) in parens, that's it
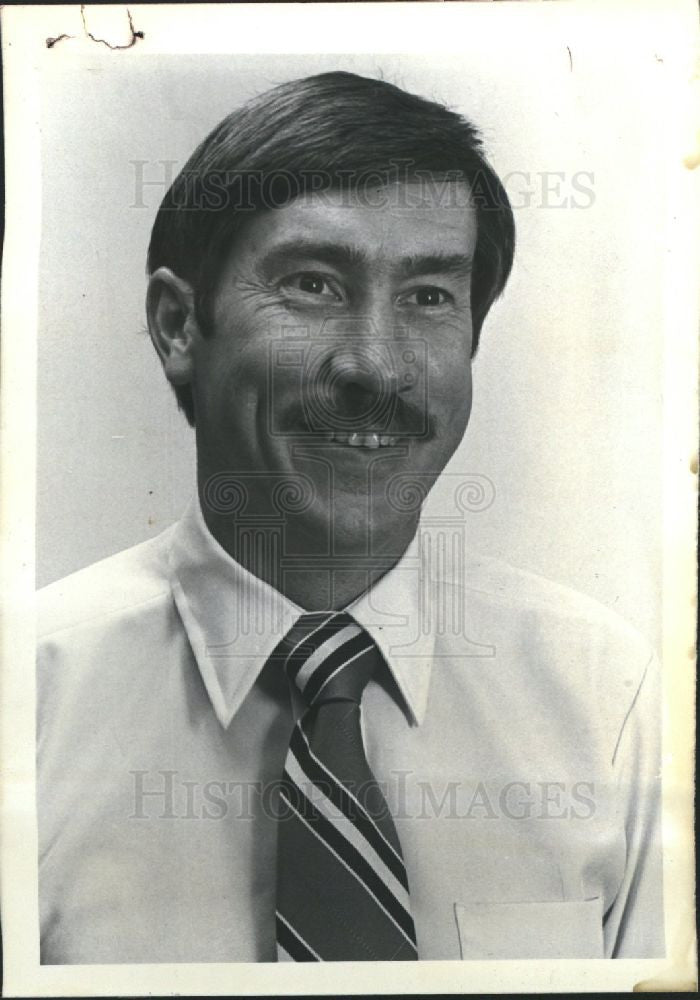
(567, 384)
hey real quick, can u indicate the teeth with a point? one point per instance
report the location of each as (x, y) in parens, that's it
(370, 440)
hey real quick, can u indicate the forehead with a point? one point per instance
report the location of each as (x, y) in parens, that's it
(385, 223)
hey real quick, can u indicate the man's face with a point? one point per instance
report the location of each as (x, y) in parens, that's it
(340, 358)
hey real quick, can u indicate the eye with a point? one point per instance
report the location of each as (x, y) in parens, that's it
(427, 297)
(311, 283)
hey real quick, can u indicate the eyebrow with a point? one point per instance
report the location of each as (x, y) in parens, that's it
(345, 256)
(457, 264)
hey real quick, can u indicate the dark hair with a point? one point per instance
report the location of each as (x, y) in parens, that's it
(334, 130)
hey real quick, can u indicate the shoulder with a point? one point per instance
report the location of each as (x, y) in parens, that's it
(108, 588)
(513, 586)
(583, 660)
(550, 613)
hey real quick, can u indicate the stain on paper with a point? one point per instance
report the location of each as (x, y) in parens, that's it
(135, 35)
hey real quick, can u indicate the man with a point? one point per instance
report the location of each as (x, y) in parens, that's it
(291, 727)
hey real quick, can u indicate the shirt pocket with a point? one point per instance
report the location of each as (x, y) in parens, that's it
(560, 929)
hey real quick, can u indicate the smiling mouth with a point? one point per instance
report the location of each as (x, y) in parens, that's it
(369, 440)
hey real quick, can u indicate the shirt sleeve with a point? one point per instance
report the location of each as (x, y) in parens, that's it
(634, 924)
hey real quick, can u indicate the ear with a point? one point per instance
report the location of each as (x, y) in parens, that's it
(172, 324)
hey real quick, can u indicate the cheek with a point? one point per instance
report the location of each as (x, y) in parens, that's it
(461, 399)
(233, 365)
(450, 374)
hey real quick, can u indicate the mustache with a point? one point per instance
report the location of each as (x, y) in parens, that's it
(346, 411)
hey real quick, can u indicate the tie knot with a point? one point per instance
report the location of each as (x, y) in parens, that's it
(329, 656)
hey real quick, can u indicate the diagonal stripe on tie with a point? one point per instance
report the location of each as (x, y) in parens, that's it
(293, 944)
(355, 647)
(327, 906)
(336, 639)
(312, 635)
(347, 830)
(343, 852)
(345, 802)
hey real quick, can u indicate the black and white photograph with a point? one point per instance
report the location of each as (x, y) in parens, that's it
(355, 495)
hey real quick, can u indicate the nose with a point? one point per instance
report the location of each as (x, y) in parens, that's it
(355, 381)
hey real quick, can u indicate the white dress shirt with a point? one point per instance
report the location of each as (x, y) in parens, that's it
(515, 731)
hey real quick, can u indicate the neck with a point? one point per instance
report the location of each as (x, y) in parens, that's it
(297, 562)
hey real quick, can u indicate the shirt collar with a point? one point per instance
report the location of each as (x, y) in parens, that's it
(234, 620)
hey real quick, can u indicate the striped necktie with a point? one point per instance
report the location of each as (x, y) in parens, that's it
(342, 891)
